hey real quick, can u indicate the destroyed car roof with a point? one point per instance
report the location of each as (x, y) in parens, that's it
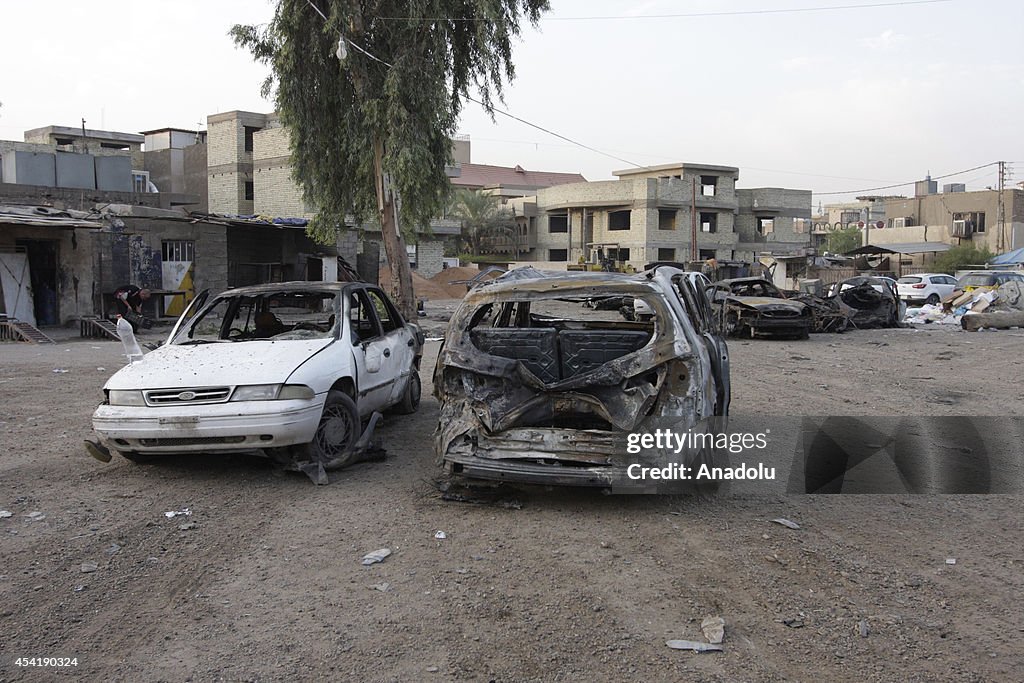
(287, 287)
(527, 274)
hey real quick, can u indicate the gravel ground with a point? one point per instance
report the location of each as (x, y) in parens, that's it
(262, 582)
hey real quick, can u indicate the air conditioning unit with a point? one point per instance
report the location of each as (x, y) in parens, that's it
(960, 229)
(902, 222)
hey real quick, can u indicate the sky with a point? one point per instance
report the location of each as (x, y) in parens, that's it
(835, 96)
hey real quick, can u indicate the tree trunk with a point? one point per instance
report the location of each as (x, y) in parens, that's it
(394, 243)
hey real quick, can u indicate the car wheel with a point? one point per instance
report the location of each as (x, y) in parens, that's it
(336, 434)
(932, 299)
(411, 398)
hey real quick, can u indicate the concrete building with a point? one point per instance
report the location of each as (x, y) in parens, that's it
(249, 173)
(176, 163)
(652, 213)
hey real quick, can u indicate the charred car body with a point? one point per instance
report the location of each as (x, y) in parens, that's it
(753, 307)
(294, 369)
(537, 387)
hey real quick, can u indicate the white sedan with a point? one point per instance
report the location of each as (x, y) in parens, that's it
(293, 368)
(929, 288)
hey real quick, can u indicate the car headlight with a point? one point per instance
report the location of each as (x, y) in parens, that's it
(122, 397)
(271, 392)
(296, 391)
(256, 392)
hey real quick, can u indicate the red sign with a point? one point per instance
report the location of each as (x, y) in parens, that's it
(860, 224)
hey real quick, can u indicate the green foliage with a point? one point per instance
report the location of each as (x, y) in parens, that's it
(961, 256)
(844, 240)
(481, 215)
(336, 111)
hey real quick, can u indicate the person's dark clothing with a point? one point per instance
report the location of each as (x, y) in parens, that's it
(129, 298)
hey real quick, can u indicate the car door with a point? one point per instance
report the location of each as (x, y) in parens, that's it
(371, 351)
(400, 349)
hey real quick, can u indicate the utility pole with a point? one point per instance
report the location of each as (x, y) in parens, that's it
(1000, 219)
(693, 223)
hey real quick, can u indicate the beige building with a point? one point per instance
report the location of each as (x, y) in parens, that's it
(652, 213)
(249, 173)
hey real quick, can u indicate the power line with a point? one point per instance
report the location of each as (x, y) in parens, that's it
(890, 187)
(690, 15)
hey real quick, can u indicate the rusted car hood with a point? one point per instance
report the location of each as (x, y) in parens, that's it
(217, 364)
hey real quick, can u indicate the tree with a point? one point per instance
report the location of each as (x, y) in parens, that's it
(961, 256)
(371, 92)
(481, 215)
(844, 240)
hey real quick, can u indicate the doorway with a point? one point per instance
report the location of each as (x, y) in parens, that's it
(42, 267)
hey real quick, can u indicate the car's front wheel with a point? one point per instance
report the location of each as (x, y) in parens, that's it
(932, 299)
(339, 428)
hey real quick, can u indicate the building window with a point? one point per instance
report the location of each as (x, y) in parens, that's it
(249, 132)
(63, 141)
(800, 225)
(140, 181)
(558, 222)
(705, 254)
(558, 254)
(975, 220)
(618, 220)
(620, 254)
(178, 250)
(765, 226)
(666, 254)
(666, 219)
(708, 185)
(708, 221)
(114, 145)
(249, 190)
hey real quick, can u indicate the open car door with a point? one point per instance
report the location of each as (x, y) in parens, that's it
(189, 312)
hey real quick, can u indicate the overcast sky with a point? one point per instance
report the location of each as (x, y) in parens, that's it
(828, 100)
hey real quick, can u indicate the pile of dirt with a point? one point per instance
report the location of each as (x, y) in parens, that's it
(422, 287)
(449, 275)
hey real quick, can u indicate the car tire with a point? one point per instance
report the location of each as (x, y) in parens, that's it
(932, 299)
(336, 434)
(411, 398)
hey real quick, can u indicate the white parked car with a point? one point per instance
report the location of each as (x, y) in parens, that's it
(928, 288)
(293, 368)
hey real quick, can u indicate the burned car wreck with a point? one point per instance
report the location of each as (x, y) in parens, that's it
(861, 302)
(754, 307)
(537, 384)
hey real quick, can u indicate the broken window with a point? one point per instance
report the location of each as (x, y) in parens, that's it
(765, 225)
(386, 313)
(362, 319)
(249, 190)
(64, 141)
(558, 254)
(705, 254)
(618, 220)
(558, 222)
(666, 219)
(666, 254)
(249, 132)
(708, 185)
(708, 221)
(114, 145)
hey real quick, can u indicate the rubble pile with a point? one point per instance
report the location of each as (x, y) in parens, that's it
(961, 308)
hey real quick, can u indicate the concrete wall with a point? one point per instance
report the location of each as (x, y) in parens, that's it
(68, 198)
(229, 165)
(429, 257)
(785, 207)
(938, 209)
(76, 170)
(113, 173)
(180, 170)
(29, 168)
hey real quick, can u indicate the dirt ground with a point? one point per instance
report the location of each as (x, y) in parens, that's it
(263, 581)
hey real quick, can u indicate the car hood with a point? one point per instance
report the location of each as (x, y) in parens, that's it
(766, 302)
(217, 364)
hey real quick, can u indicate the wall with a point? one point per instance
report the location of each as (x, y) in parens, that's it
(68, 198)
(276, 194)
(938, 209)
(181, 171)
(75, 282)
(229, 165)
(29, 168)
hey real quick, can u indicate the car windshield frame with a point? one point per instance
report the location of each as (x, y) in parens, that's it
(243, 316)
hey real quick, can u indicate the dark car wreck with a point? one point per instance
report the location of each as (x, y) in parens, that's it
(754, 307)
(536, 387)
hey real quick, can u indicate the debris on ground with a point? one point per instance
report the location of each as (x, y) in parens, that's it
(693, 645)
(501, 495)
(1001, 308)
(863, 628)
(187, 525)
(6, 513)
(786, 523)
(440, 535)
(793, 622)
(950, 560)
(36, 516)
(713, 629)
(376, 556)
(88, 567)
(174, 513)
(383, 587)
